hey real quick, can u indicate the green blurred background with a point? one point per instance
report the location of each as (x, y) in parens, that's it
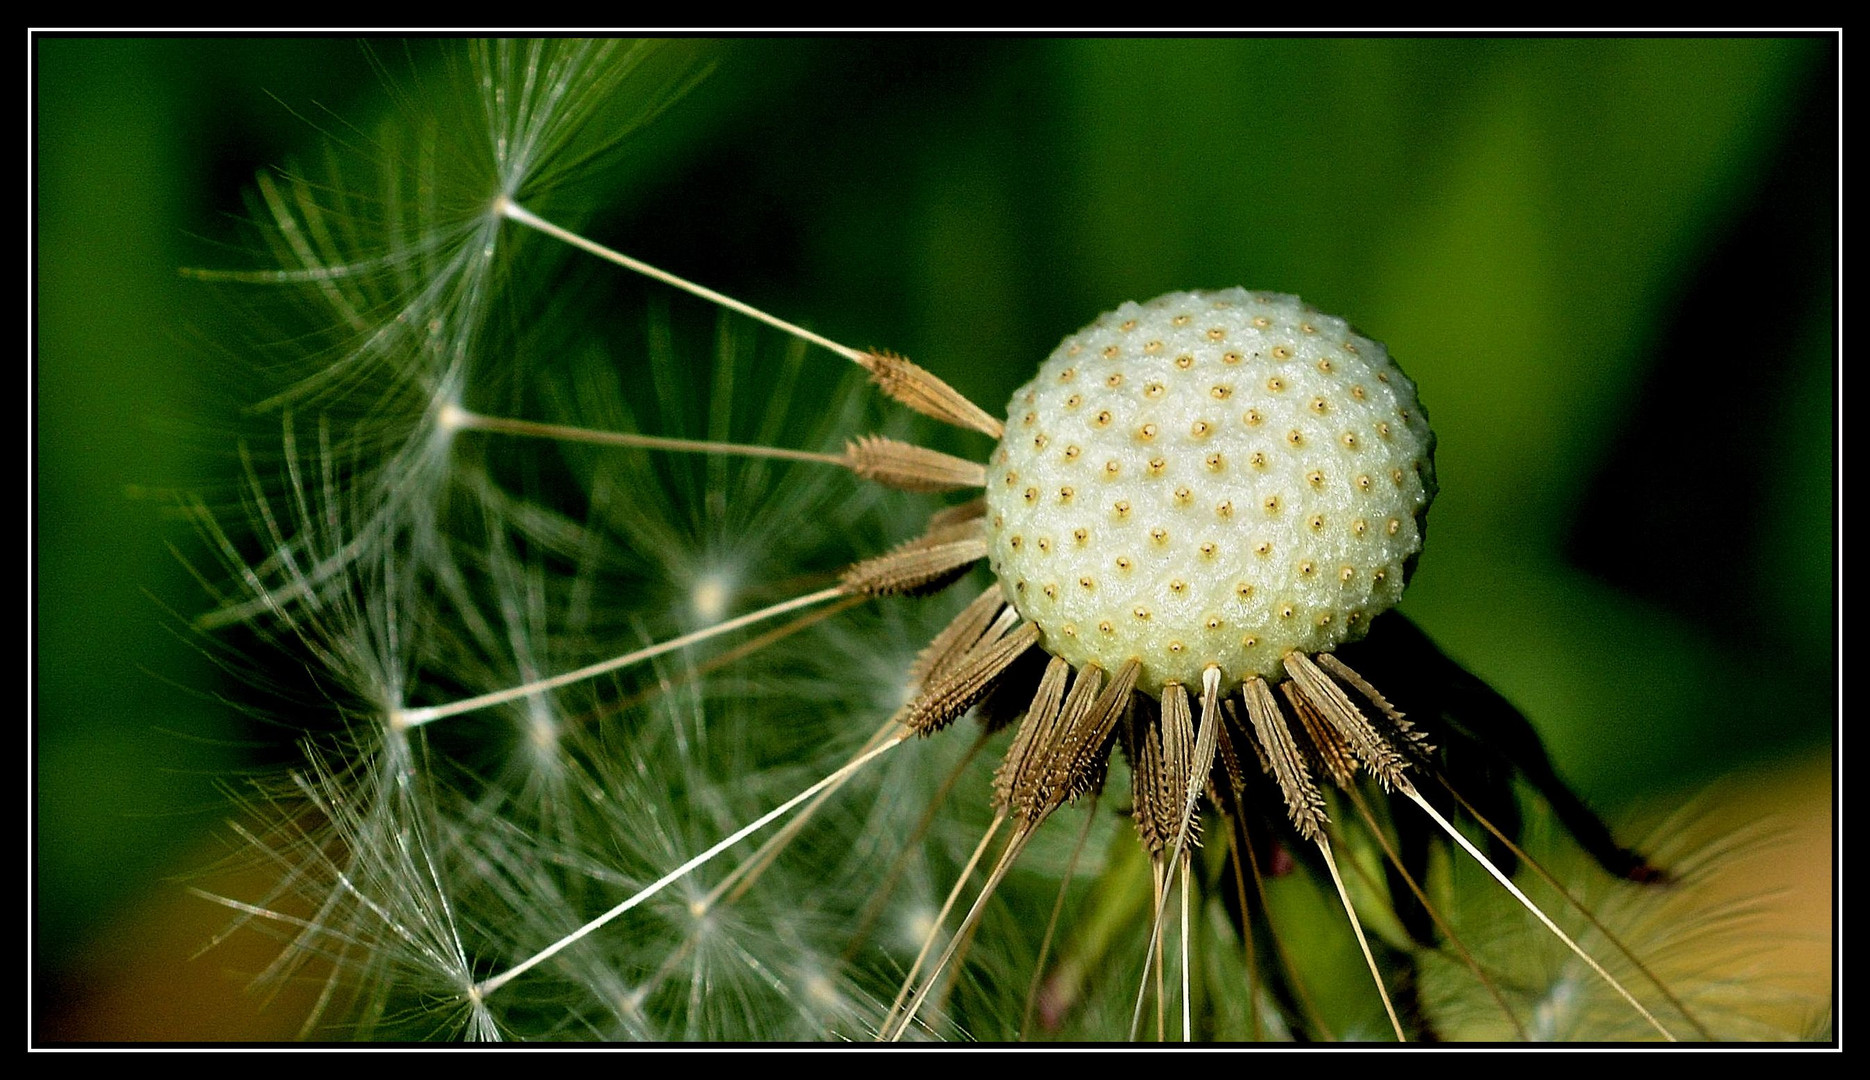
(1609, 264)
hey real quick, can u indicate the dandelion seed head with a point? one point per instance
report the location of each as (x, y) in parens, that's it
(1226, 481)
(1173, 410)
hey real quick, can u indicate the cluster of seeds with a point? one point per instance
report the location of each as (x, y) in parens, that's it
(1211, 478)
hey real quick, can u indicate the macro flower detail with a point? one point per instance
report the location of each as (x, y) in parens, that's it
(1195, 519)
(1337, 457)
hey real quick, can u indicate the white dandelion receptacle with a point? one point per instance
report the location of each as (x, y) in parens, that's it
(1210, 478)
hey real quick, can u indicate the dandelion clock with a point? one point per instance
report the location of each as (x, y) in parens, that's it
(754, 684)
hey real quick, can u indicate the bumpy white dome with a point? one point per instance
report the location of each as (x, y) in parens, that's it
(1209, 478)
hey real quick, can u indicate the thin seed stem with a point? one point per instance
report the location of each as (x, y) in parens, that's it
(414, 717)
(1467, 957)
(1331, 864)
(515, 212)
(1051, 926)
(488, 986)
(879, 896)
(742, 877)
(941, 917)
(1246, 929)
(1205, 742)
(751, 647)
(1188, 1027)
(1014, 847)
(1149, 959)
(1294, 981)
(463, 420)
(1487, 864)
(1156, 950)
(1581, 908)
